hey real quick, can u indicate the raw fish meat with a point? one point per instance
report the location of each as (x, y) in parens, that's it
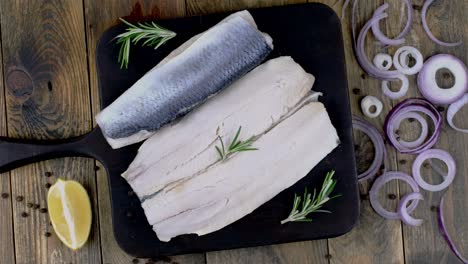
(185, 187)
(199, 69)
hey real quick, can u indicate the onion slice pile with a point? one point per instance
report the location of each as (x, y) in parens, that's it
(403, 211)
(401, 110)
(400, 60)
(425, 7)
(427, 83)
(400, 38)
(378, 143)
(453, 109)
(380, 182)
(437, 154)
(445, 234)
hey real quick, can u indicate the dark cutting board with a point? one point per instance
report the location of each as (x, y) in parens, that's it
(311, 34)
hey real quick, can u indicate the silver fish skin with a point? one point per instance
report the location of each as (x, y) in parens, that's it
(213, 61)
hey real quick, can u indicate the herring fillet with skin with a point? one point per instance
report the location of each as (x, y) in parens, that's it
(205, 65)
(270, 91)
(178, 175)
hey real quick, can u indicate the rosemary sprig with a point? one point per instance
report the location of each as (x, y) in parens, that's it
(236, 145)
(151, 33)
(312, 204)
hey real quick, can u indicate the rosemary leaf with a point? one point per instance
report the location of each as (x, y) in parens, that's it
(312, 203)
(236, 145)
(151, 33)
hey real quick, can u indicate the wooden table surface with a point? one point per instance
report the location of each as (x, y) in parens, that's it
(50, 91)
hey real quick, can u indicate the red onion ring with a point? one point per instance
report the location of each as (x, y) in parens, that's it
(381, 181)
(453, 109)
(343, 9)
(437, 154)
(428, 31)
(427, 83)
(400, 57)
(403, 212)
(445, 234)
(401, 109)
(400, 38)
(401, 92)
(422, 135)
(379, 147)
(361, 57)
(382, 58)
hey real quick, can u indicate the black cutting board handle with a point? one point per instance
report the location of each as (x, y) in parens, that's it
(19, 152)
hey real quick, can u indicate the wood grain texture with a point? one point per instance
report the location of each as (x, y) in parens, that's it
(302, 252)
(7, 247)
(374, 240)
(99, 17)
(47, 97)
(424, 244)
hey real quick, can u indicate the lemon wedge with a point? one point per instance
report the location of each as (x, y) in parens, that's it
(70, 212)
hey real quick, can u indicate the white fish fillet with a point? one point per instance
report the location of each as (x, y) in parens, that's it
(182, 149)
(229, 190)
(177, 175)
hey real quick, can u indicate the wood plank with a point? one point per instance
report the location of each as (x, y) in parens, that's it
(47, 97)
(424, 244)
(302, 252)
(101, 15)
(7, 247)
(374, 240)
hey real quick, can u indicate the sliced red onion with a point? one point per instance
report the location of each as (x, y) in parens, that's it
(445, 234)
(403, 211)
(434, 154)
(383, 61)
(353, 21)
(400, 60)
(343, 9)
(366, 104)
(427, 83)
(422, 135)
(361, 56)
(401, 92)
(399, 111)
(400, 38)
(428, 31)
(379, 147)
(453, 109)
(381, 181)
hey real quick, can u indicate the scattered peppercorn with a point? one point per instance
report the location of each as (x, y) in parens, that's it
(47, 234)
(19, 198)
(36, 206)
(364, 196)
(392, 196)
(30, 205)
(5, 195)
(363, 76)
(402, 162)
(48, 174)
(397, 132)
(47, 185)
(135, 261)
(426, 165)
(356, 91)
(43, 210)
(24, 214)
(411, 120)
(433, 208)
(96, 168)
(328, 256)
(440, 108)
